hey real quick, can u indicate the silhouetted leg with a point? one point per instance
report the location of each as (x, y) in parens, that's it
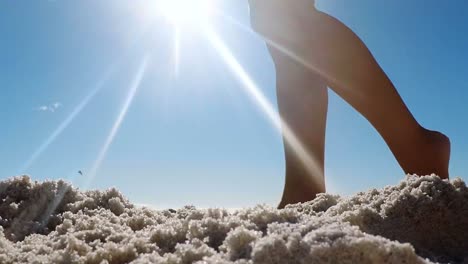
(303, 103)
(333, 51)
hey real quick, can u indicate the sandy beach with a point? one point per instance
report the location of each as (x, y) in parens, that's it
(420, 220)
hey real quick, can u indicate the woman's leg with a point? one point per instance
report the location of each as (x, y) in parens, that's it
(353, 73)
(333, 51)
(303, 103)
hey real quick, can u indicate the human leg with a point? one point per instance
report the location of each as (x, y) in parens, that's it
(303, 102)
(332, 50)
(354, 74)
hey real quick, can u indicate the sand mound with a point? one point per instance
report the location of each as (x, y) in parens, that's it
(418, 221)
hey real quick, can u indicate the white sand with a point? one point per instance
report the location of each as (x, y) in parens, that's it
(418, 221)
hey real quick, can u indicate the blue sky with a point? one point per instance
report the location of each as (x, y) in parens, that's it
(197, 138)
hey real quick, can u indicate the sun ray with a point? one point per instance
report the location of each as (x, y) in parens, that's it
(176, 51)
(289, 53)
(188, 14)
(79, 108)
(58, 131)
(118, 122)
(250, 87)
(62, 189)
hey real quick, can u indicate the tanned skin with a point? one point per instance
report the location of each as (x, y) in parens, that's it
(312, 51)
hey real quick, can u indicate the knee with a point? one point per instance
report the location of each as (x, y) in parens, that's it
(275, 7)
(272, 15)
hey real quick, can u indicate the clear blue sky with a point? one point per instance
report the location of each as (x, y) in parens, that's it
(198, 139)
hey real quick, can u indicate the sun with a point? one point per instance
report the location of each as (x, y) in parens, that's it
(186, 13)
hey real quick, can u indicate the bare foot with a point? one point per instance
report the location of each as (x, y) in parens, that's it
(300, 194)
(301, 187)
(432, 157)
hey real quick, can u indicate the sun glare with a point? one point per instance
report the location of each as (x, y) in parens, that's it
(251, 88)
(186, 13)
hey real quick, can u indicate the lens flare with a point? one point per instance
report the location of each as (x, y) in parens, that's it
(58, 131)
(186, 13)
(285, 51)
(120, 118)
(260, 99)
(176, 59)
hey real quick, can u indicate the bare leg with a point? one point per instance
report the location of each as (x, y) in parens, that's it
(303, 103)
(334, 52)
(353, 73)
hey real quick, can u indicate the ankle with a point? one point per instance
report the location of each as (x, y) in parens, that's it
(298, 178)
(300, 189)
